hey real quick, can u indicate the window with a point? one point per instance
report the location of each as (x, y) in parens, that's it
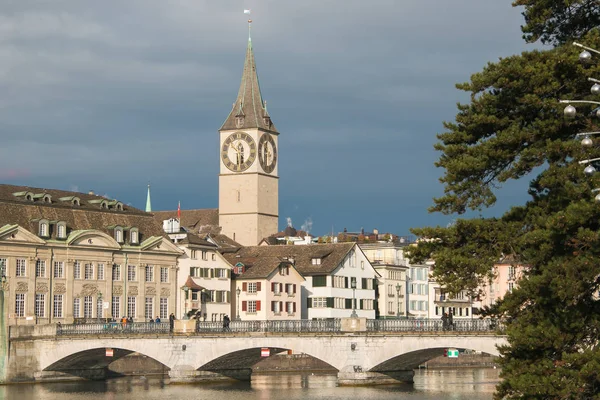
(362, 265)
(43, 229)
(413, 305)
(164, 308)
(89, 271)
(20, 304)
(196, 272)
(214, 257)
(133, 236)
(76, 270)
(116, 273)
(316, 261)
(290, 307)
(40, 269)
(252, 306)
(57, 311)
(164, 275)
(99, 307)
(511, 286)
(119, 235)
(2, 267)
(149, 307)
(59, 269)
(194, 254)
(275, 307)
(319, 280)
(276, 288)
(149, 273)
(511, 272)
(221, 272)
(319, 302)
(87, 307)
(131, 273)
(21, 267)
(204, 255)
(252, 287)
(76, 308)
(131, 306)
(290, 289)
(61, 230)
(116, 306)
(100, 272)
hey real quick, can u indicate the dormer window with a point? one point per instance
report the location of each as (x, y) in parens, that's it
(61, 230)
(316, 261)
(119, 234)
(267, 120)
(119, 206)
(134, 236)
(29, 197)
(47, 198)
(76, 201)
(104, 204)
(239, 120)
(43, 229)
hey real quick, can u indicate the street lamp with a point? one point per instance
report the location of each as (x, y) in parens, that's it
(186, 290)
(398, 287)
(407, 293)
(585, 56)
(353, 286)
(237, 315)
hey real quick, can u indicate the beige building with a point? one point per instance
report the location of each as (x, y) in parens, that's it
(388, 260)
(71, 256)
(248, 179)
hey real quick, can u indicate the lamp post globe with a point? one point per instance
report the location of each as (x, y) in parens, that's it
(585, 57)
(587, 142)
(589, 170)
(570, 111)
(595, 88)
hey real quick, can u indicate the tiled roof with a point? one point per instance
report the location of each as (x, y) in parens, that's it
(192, 219)
(249, 102)
(331, 256)
(88, 215)
(224, 242)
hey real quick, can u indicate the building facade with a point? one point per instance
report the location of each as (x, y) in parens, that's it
(69, 256)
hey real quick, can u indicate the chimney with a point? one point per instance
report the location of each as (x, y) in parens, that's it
(91, 192)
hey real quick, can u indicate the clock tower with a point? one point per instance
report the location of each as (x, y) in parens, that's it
(248, 181)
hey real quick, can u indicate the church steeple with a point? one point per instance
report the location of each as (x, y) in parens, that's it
(249, 109)
(148, 203)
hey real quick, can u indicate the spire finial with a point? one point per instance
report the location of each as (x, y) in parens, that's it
(148, 203)
(247, 12)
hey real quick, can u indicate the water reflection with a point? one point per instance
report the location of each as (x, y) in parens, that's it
(429, 384)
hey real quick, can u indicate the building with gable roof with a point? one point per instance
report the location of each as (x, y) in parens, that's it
(70, 256)
(329, 271)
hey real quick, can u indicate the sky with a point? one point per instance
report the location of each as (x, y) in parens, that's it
(110, 96)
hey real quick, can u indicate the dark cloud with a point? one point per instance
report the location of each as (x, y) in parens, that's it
(110, 95)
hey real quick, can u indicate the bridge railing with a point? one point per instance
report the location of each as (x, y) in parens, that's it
(104, 328)
(271, 326)
(432, 325)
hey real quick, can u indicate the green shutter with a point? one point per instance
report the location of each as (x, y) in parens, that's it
(212, 273)
(308, 302)
(229, 273)
(361, 305)
(348, 304)
(228, 297)
(330, 302)
(191, 271)
(346, 282)
(363, 283)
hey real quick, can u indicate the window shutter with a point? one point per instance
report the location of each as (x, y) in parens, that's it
(330, 301)
(346, 282)
(212, 273)
(280, 287)
(244, 287)
(244, 305)
(229, 273)
(273, 306)
(257, 305)
(308, 302)
(294, 306)
(273, 286)
(228, 296)
(348, 304)
(363, 283)
(258, 286)
(361, 305)
(191, 271)
(287, 270)
(294, 286)
(281, 306)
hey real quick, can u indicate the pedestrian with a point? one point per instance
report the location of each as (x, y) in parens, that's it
(450, 321)
(226, 321)
(124, 322)
(157, 320)
(151, 321)
(130, 320)
(444, 321)
(171, 322)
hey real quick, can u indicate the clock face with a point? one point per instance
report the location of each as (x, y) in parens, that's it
(267, 153)
(238, 151)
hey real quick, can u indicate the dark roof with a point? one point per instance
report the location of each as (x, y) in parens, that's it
(224, 242)
(331, 256)
(191, 219)
(193, 238)
(249, 102)
(191, 283)
(260, 268)
(88, 215)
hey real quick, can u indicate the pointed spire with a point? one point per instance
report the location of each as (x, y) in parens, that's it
(148, 203)
(249, 109)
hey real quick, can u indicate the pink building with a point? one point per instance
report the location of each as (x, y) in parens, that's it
(507, 272)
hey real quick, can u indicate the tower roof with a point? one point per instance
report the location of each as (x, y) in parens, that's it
(249, 109)
(148, 203)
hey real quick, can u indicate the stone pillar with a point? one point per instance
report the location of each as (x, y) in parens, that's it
(3, 336)
(353, 375)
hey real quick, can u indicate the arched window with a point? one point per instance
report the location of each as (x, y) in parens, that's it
(61, 230)
(119, 234)
(76, 201)
(44, 228)
(133, 236)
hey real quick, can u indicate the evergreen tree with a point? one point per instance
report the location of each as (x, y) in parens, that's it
(513, 128)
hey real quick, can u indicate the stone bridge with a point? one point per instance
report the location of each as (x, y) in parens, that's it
(361, 357)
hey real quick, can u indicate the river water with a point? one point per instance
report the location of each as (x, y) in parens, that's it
(468, 384)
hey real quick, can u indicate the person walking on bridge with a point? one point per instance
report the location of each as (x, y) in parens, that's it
(226, 322)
